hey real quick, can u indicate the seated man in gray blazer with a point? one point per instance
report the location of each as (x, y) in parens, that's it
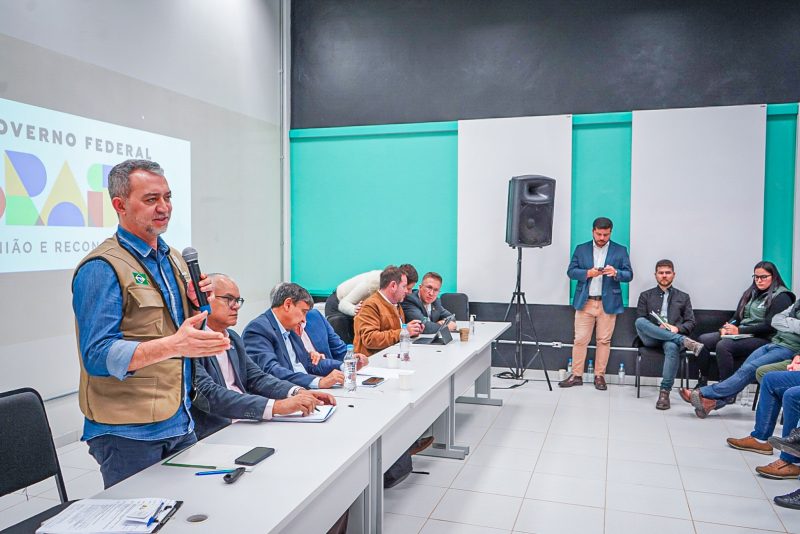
(230, 385)
(425, 305)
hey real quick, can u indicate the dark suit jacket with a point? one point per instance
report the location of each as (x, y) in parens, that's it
(583, 260)
(265, 345)
(413, 308)
(679, 308)
(215, 405)
(322, 336)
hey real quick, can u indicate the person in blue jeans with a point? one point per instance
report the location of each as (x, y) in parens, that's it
(785, 344)
(778, 388)
(665, 319)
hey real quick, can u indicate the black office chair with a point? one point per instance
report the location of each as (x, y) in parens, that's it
(27, 452)
(457, 303)
(652, 356)
(341, 323)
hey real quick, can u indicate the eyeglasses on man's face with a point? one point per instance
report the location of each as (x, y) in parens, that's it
(233, 302)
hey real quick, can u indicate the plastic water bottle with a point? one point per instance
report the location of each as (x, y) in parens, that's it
(472, 324)
(590, 371)
(350, 368)
(621, 373)
(405, 344)
(569, 367)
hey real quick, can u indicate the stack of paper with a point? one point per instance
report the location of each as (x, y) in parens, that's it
(111, 516)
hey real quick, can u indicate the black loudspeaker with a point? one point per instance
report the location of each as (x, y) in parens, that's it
(529, 220)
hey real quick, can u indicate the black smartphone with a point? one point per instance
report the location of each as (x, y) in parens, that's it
(252, 457)
(372, 381)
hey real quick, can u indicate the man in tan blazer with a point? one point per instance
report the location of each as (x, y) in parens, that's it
(380, 319)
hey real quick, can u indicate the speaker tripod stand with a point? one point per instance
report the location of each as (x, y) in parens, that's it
(519, 302)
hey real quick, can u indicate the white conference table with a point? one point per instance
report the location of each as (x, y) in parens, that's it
(319, 470)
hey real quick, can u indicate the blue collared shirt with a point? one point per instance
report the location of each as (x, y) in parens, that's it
(97, 302)
(297, 367)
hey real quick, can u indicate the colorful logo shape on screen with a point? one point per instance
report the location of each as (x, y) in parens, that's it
(65, 204)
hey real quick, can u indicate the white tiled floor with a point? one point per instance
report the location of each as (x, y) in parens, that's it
(586, 461)
(576, 460)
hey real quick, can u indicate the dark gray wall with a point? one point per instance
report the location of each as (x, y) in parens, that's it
(392, 61)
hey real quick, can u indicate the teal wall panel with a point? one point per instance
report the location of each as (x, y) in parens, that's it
(601, 177)
(779, 184)
(364, 197)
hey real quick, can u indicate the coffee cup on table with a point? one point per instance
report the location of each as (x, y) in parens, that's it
(464, 333)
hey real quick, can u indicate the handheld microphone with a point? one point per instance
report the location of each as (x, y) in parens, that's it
(190, 257)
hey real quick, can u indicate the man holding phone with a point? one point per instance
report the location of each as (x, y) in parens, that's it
(598, 266)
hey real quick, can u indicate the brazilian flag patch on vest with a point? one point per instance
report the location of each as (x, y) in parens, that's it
(141, 279)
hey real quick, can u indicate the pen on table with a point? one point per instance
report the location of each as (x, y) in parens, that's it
(155, 514)
(215, 472)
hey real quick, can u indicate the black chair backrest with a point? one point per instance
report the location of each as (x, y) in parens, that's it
(457, 303)
(343, 326)
(27, 452)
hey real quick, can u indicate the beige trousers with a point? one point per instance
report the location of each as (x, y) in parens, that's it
(585, 320)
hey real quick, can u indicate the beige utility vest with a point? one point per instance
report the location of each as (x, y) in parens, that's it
(153, 393)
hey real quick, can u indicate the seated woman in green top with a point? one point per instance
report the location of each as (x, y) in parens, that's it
(765, 297)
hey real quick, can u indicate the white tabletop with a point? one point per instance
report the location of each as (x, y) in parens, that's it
(312, 461)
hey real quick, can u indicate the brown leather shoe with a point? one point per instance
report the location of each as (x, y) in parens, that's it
(572, 380)
(420, 445)
(663, 400)
(702, 405)
(750, 444)
(600, 383)
(686, 394)
(779, 470)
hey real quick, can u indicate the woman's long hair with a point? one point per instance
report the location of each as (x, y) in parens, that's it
(750, 292)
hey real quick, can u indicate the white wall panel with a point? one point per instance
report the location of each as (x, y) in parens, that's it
(697, 198)
(490, 152)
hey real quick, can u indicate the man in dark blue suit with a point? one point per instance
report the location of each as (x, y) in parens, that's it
(425, 305)
(598, 266)
(274, 345)
(230, 385)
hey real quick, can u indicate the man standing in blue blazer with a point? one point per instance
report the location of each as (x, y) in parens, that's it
(230, 385)
(598, 266)
(273, 344)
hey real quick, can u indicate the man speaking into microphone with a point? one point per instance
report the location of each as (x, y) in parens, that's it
(137, 331)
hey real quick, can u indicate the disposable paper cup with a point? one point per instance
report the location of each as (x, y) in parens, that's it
(393, 361)
(562, 374)
(405, 379)
(464, 333)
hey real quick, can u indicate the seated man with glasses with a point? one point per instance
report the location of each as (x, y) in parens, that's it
(424, 305)
(230, 385)
(276, 348)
